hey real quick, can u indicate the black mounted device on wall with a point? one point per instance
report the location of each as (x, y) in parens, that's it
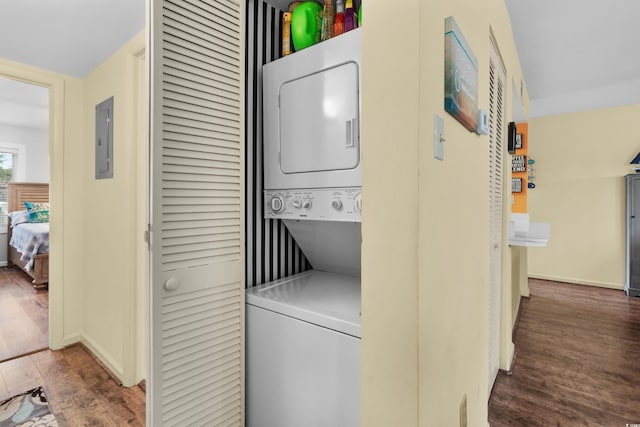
(511, 131)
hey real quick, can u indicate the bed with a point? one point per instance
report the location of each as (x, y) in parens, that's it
(35, 265)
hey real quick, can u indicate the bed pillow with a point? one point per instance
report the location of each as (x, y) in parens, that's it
(19, 217)
(38, 212)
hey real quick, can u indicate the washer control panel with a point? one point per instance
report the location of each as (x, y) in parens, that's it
(327, 204)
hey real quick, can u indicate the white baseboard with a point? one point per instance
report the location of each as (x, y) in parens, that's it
(608, 285)
(70, 340)
(97, 351)
(511, 351)
(516, 312)
(105, 358)
(3, 263)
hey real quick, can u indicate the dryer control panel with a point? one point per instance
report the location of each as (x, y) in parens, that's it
(330, 204)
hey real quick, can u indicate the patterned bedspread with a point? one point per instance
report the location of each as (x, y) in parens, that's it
(30, 239)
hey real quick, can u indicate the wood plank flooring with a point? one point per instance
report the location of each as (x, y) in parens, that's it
(24, 315)
(577, 360)
(577, 364)
(80, 391)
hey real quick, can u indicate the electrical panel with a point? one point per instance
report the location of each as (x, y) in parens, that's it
(104, 139)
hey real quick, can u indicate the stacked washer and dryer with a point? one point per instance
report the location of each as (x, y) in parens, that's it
(303, 331)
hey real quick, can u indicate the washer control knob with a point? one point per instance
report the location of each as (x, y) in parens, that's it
(307, 204)
(336, 204)
(357, 203)
(296, 203)
(277, 204)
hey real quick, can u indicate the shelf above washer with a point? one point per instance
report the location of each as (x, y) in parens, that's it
(279, 4)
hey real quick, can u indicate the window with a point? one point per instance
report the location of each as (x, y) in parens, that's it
(12, 158)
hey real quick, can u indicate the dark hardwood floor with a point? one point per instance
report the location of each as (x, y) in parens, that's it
(577, 360)
(24, 315)
(80, 391)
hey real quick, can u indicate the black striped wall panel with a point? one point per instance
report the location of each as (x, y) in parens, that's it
(271, 252)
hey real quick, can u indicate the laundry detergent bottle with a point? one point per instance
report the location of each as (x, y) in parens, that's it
(327, 20)
(306, 23)
(286, 34)
(349, 17)
(338, 26)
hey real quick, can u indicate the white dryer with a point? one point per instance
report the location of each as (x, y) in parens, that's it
(303, 332)
(312, 177)
(311, 104)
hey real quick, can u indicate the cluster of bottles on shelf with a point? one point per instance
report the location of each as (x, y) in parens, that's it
(307, 22)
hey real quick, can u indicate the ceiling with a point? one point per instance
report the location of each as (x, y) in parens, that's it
(578, 55)
(71, 37)
(575, 54)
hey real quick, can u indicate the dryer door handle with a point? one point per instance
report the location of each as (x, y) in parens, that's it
(352, 133)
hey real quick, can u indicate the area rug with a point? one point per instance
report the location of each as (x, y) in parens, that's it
(29, 409)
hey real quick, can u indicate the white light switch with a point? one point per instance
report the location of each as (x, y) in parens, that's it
(438, 137)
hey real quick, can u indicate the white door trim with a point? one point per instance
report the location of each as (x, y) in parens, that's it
(496, 208)
(56, 86)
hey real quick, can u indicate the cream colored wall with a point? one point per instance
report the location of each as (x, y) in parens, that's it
(390, 259)
(519, 279)
(581, 159)
(66, 291)
(111, 209)
(96, 274)
(93, 284)
(142, 209)
(425, 222)
(72, 244)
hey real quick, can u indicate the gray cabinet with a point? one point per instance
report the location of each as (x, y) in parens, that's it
(632, 285)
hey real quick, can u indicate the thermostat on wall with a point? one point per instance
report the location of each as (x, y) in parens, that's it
(483, 122)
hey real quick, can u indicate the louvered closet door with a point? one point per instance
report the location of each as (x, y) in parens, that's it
(496, 179)
(196, 370)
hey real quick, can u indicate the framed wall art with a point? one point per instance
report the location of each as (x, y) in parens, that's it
(516, 185)
(460, 77)
(518, 141)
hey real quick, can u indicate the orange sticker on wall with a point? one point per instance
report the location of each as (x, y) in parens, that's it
(519, 169)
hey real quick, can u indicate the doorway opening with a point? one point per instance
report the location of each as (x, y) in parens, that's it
(24, 158)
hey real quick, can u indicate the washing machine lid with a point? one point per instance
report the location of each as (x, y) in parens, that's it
(325, 299)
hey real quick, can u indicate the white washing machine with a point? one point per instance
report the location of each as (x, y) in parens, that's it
(303, 332)
(303, 351)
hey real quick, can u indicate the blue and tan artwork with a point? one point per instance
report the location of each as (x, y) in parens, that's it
(460, 77)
